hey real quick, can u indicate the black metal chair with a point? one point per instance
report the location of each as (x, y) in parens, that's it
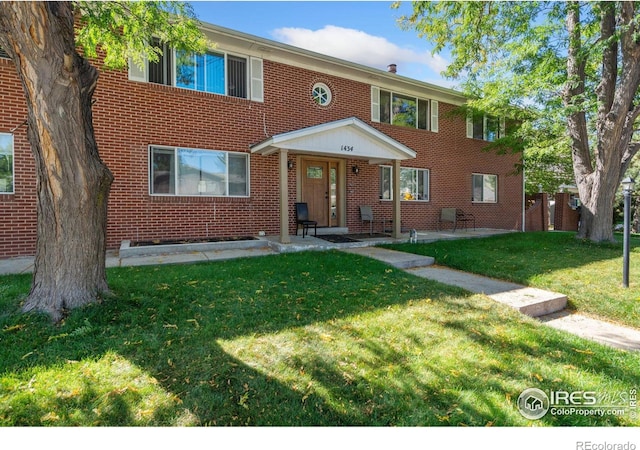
(302, 218)
(455, 217)
(366, 215)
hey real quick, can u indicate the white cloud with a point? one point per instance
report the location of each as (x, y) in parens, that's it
(359, 47)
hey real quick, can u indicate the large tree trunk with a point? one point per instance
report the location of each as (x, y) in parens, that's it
(72, 182)
(598, 173)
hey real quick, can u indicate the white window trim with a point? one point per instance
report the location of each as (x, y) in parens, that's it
(175, 155)
(13, 166)
(483, 175)
(375, 104)
(501, 131)
(432, 119)
(418, 169)
(137, 73)
(434, 125)
(256, 73)
(254, 81)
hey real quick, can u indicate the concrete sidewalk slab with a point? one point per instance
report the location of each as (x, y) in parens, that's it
(16, 265)
(397, 259)
(604, 332)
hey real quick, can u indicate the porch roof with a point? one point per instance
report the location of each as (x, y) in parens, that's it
(345, 138)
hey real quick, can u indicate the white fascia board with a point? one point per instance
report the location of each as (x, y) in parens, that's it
(235, 41)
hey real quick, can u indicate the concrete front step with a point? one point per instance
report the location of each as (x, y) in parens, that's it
(530, 301)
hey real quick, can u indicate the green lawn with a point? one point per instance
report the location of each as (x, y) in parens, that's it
(314, 339)
(589, 274)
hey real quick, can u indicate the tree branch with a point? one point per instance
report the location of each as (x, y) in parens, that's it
(573, 94)
(606, 87)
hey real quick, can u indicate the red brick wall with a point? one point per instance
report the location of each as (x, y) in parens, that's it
(17, 211)
(129, 116)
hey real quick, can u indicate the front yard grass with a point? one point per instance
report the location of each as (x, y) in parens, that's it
(589, 274)
(315, 339)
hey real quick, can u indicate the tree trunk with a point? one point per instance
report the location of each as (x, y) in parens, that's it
(596, 212)
(72, 182)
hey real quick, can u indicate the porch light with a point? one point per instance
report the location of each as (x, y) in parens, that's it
(355, 169)
(289, 164)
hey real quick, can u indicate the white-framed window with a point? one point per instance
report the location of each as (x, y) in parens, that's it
(485, 188)
(215, 72)
(195, 172)
(484, 127)
(321, 94)
(6, 163)
(403, 110)
(414, 183)
(4, 54)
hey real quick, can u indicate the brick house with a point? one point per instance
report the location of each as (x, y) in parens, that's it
(224, 144)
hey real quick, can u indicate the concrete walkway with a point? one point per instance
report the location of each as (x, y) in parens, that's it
(547, 306)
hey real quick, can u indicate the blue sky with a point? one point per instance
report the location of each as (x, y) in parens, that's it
(364, 32)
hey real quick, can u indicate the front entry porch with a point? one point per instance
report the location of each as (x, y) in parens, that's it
(320, 153)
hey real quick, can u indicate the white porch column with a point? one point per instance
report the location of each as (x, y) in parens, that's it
(396, 200)
(284, 198)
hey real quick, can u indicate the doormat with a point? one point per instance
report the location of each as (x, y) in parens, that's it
(368, 236)
(336, 238)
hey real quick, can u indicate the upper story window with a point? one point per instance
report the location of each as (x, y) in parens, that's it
(218, 73)
(321, 94)
(403, 110)
(414, 183)
(482, 126)
(3, 54)
(186, 171)
(6, 163)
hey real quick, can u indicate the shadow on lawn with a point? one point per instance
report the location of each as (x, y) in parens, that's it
(171, 323)
(168, 322)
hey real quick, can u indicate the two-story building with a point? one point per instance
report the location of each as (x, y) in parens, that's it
(223, 144)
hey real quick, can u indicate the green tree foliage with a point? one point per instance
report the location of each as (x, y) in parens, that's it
(566, 72)
(123, 30)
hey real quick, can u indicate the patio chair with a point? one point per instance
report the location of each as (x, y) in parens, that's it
(366, 215)
(302, 218)
(455, 216)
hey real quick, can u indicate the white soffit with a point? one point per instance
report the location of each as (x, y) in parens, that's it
(346, 138)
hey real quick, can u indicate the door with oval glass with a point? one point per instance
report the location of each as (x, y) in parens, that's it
(319, 191)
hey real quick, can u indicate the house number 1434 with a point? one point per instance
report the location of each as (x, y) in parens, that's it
(346, 148)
